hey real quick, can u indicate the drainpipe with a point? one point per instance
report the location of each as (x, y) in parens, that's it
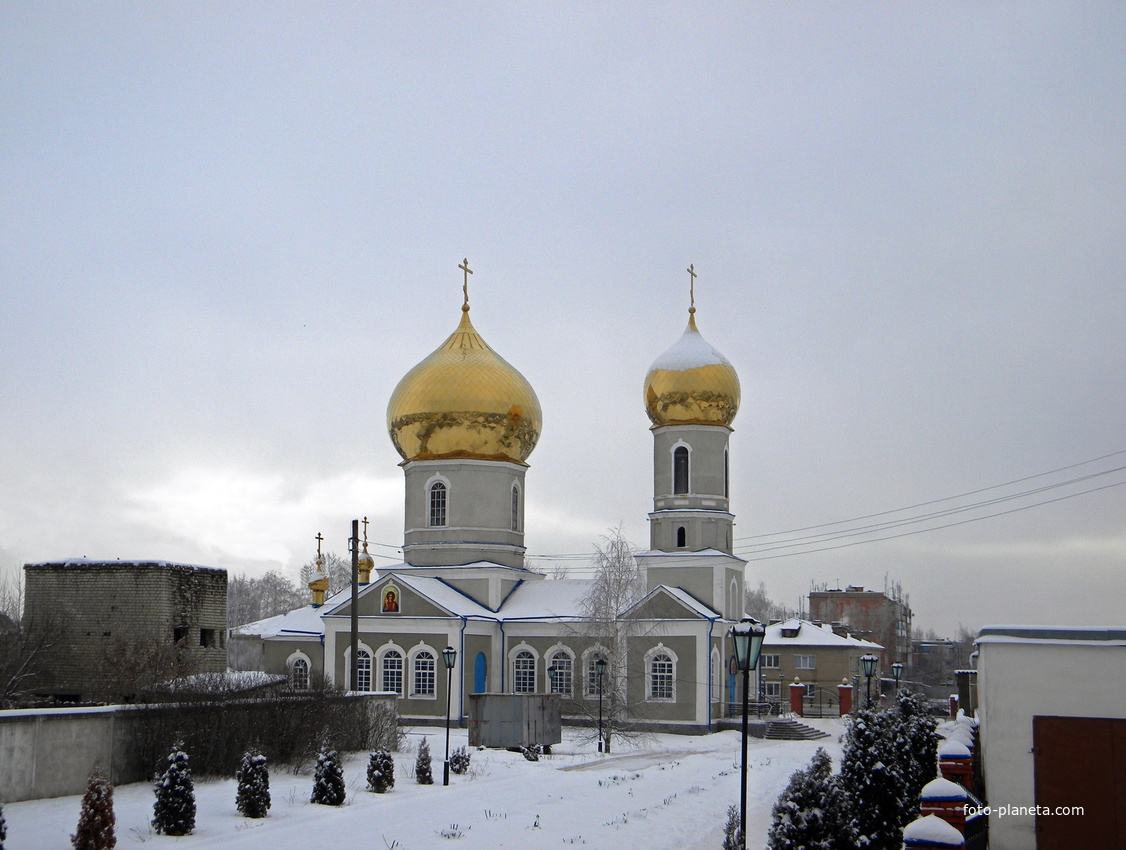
(461, 688)
(503, 664)
(711, 672)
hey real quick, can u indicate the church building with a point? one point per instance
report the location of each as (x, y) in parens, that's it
(465, 423)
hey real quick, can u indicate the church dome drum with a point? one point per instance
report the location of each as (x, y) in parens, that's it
(691, 384)
(464, 401)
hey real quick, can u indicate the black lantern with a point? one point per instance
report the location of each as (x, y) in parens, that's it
(897, 672)
(747, 636)
(868, 666)
(449, 656)
(600, 671)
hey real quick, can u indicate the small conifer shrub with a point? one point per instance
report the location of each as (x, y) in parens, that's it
(381, 772)
(253, 796)
(328, 779)
(459, 761)
(173, 813)
(732, 833)
(422, 772)
(96, 822)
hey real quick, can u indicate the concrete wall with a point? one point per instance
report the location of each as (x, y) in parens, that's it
(1020, 679)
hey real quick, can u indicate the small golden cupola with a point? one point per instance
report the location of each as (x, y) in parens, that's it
(464, 401)
(691, 383)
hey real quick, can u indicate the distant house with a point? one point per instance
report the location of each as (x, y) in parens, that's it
(884, 617)
(813, 654)
(118, 626)
(1052, 722)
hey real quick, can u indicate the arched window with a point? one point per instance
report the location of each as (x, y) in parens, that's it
(515, 508)
(561, 679)
(717, 676)
(437, 504)
(681, 536)
(524, 673)
(392, 671)
(299, 675)
(363, 670)
(680, 470)
(662, 676)
(424, 667)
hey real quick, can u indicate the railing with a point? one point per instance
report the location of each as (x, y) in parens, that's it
(754, 709)
(816, 706)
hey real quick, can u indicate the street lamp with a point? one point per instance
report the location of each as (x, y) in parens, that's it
(747, 636)
(868, 665)
(897, 672)
(600, 670)
(551, 674)
(449, 655)
(761, 692)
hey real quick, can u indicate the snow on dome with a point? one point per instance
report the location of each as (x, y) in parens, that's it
(932, 830)
(952, 749)
(942, 789)
(691, 384)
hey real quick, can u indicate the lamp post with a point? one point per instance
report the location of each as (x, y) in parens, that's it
(868, 665)
(600, 670)
(551, 674)
(747, 637)
(897, 671)
(449, 656)
(761, 692)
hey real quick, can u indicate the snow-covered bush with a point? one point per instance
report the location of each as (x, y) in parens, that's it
(173, 813)
(812, 812)
(96, 822)
(253, 796)
(917, 745)
(871, 771)
(533, 752)
(3, 828)
(422, 771)
(381, 772)
(328, 779)
(732, 832)
(459, 761)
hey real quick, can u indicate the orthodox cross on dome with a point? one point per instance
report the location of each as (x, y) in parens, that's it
(320, 557)
(365, 534)
(465, 285)
(692, 288)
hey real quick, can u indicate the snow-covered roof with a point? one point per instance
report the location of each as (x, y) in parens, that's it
(442, 595)
(301, 621)
(1053, 634)
(559, 599)
(77, 563)
(932, 830)
(942, 789)
(686, 599)
(810, 634)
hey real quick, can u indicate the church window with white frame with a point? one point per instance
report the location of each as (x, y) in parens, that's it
(391, 678)
(680, 482)
(717, 676)
(515, 507)
(423, 671)
(661, 675)
(524, 673)
(438, 501)
(563, 665)
(363, 670)
(299, 674)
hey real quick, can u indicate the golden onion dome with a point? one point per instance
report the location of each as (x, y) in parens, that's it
(464, 401)
(691, 384)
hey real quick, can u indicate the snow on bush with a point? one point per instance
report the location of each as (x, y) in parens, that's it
(381, 772)
(96, 822)
(328, 779)
(871, 770)
(732, 832)
(422, 772)
(459, 761)
(253, 796)
(173, 813)
(813, 810)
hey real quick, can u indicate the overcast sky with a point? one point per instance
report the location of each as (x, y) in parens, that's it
(229, 229)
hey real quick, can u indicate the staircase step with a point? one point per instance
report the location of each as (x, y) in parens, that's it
(791, 730)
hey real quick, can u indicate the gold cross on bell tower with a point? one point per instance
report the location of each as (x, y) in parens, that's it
(465, 284)
(692, 289)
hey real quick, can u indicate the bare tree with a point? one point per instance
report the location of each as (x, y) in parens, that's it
(251, 599)
(131, 665)
(25, 643)
(618, 584)
(759, 605)
(337, 570)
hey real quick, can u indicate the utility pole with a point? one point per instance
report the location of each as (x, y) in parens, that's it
(354, 545)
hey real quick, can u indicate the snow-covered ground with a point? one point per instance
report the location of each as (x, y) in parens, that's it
(666, 791)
